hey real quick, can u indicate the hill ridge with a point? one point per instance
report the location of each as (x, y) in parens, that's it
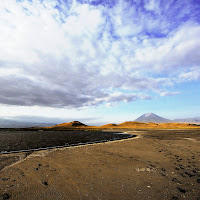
(69, 124)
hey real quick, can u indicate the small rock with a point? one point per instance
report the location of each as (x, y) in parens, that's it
(5, 179)
(174, 198)
(5, 196)
(45, 183)
(181, 190)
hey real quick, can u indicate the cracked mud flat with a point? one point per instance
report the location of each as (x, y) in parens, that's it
(157, 165)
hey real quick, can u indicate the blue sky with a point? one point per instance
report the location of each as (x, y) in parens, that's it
(99, 61)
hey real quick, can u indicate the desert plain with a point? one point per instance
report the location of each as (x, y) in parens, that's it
(156, 164)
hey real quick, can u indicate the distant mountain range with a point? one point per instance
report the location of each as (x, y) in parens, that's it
(151, 117)
(7, 123)
(148, 117)
(189, 120)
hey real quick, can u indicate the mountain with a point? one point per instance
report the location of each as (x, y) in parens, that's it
(7, 123)
(188, 120)
(151, 117)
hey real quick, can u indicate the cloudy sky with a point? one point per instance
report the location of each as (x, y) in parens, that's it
(99, 61)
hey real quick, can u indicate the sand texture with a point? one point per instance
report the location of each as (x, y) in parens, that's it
(156, 165)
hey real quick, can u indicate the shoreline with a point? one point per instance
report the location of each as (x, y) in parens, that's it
(154, 165)
(70, 145)
(26, 141)
(26, 154)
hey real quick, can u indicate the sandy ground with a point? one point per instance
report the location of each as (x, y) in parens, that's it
(146, 167)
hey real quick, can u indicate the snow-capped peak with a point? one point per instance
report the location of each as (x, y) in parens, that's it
(151, 117)
(148, 114)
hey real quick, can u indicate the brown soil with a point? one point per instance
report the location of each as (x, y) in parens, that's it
(109, 126)
(155, 165)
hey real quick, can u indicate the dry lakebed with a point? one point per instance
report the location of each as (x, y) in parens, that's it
(156, 164)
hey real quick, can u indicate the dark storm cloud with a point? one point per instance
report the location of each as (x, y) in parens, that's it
(62, 92)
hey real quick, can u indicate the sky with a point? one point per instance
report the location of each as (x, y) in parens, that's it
(99, 61)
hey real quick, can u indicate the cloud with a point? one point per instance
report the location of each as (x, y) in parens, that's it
(36, 119)
(86, 53)
(192, 75)
(166, 93)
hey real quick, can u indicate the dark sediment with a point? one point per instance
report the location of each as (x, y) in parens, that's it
(32, 140)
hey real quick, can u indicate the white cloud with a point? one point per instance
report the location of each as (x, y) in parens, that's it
(152, 5)
(192, 75)
(81, 55)
(167, 93)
